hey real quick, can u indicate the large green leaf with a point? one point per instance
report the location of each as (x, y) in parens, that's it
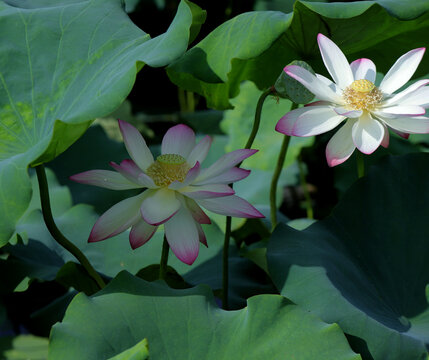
(61, 67)
(187, 324)
(257, 45)
(365, 266)
(140, 351)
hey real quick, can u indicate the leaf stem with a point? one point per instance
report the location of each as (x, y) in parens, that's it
(360, 161)
(249, 143)
(56, 233)
(276, 176)
(164, 259)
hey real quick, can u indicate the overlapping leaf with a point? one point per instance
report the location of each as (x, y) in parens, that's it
(257, 45)
(365, 267)
(187, 324)
(61, 67)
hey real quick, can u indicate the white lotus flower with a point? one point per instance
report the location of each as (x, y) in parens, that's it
(353, 96)
(177, 188)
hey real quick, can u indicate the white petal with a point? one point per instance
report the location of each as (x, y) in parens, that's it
(117, 219)
(230, 206)
(197, 213)
(104, 178)
(363, 69)
(286, 124)
(179, 139)
(419, 97)
(136, 146)
(386, 138)
(404, 110)
(128, 169)
(411, 125)
(141, 233)
(200, 151)
(321, 90)
(335, 62)
(367, 134)
(182, 235)
(159, 206)
(402, 134)
(232, 175)
(225, 163)
(399, 97)
(402, 70)
(348, 113)
(334, 87)
(207, 191)
(201, 235)
(319, 103)
(341, 145)
(146, 181)
(316, 120)
(131, 171)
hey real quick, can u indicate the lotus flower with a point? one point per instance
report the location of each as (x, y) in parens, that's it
(368, 110)
(177, 188)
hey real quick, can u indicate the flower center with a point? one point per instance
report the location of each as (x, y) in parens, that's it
(362, 95)
(168, 168)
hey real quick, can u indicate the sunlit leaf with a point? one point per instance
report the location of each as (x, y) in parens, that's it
(187, 324)
(140, 351)
(62, 67)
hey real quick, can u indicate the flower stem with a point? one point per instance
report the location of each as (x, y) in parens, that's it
(360, 164)
(257, 120)
(225, 279)
(275, 180)
(276, 176)
(249, 143)
(56, 233)
(164, 259)
(308, 207)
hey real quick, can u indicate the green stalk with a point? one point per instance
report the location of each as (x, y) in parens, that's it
(225, 264)
(56, 233)
(276, 176)
(360, 161)
(257, 120)
(164, 259)
(182, 99)
(308, 207)
(190, 100)
(252, 136)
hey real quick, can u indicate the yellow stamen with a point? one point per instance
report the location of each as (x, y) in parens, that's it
(362, 95)
(168, 168)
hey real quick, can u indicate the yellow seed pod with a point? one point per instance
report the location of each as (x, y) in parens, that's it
(168, 168)
(362, 85)
(171, 159)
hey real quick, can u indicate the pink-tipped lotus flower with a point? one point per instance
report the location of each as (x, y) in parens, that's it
(353, 96)
(177, 188)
